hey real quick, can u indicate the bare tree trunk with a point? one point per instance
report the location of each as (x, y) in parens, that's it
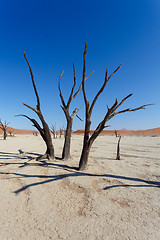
(67, 141)
(85, 153)
(84, 157)
(48, 140)
(118, 149)
(86, 145)
(5, 135)
(116, 133)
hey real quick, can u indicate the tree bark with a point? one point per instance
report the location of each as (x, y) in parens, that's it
(86, 144)
(48, 140)
(118, 149)
(67, 141)
(5, 135)
(84, 157)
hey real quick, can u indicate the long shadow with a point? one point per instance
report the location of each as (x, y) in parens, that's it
(6, 155)
(12, 156)
(115, 186)
(72, 173)
(27, 157)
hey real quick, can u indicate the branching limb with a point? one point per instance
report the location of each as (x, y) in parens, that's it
(80, 87)
(60, 92)
(123, 100)
(103, 87)
(76, 110)
(115, 71)
(129, 110)
(33, 109)
(79, 118)
(71, 94)
(35, 123)
(84, 76)
(106, 126)
(34, 86)
(100, 91)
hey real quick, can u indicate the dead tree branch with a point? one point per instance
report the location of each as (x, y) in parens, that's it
(69, 117)
(111, 112)
(45, 132)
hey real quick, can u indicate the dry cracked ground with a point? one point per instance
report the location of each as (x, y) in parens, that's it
(111, 200)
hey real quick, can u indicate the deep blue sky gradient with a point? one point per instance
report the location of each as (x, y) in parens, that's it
(52, 33)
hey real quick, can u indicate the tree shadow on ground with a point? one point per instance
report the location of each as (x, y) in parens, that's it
(20, 155)
(72, 172)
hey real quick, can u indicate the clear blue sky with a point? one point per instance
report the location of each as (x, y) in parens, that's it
(52, 33)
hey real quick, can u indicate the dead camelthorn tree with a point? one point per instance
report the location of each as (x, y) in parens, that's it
(60, 132)
(116, 133)
(118, 148)
(111, 112)
(44, 131)
(53, 131)
(69, 117)
(11, 133)
(4, 129)
(35, 133)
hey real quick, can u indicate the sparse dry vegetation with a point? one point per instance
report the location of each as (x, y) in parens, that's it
(4, 127)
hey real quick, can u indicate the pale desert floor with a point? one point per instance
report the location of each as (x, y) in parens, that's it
(111, 200)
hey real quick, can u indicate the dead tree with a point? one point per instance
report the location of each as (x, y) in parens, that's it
(111, 112)
(35, 133)
(53, 131)
(44, 130)
(60, 132)
(69, 117)
(11, 133)
(118, 148)
(116, 133)
(4, 129)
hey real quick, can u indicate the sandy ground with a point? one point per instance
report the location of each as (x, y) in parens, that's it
(111, 200)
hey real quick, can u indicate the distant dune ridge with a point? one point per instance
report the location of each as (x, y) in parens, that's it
(125, 132)
(122, 132)
(17, 131)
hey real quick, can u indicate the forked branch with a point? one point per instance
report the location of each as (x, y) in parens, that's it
(103, 87)
(80, 87)
(45, 132)
(34, 86)
(76, 110)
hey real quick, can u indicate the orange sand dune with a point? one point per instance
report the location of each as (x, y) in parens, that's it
(125, 132)
(16, 131)
(122, 132)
